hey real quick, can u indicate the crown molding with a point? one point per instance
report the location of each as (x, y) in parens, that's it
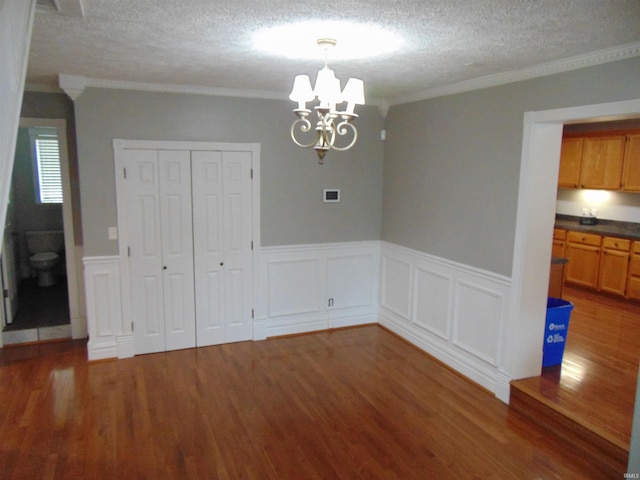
(175, 88)
(559, 66)
(74, 85)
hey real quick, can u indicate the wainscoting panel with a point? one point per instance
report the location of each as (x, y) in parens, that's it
(294, 287)
(396, 286)
(104, 312)
(432, 301)
(454, 312)
(315, 287)
(476, 324)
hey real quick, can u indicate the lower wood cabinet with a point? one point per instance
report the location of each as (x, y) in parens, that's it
(633, 282)
(583, 252)
(606, 264)
(614, 265)
(559, 242)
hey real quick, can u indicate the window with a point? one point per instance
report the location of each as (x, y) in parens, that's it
(47, 159)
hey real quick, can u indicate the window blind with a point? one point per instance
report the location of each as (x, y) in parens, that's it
(49, 175)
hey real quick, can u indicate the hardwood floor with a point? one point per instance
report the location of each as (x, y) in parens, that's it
(347, 404)
(596, 384)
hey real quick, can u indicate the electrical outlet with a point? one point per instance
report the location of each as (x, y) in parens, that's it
(331, 302)
(113, 233)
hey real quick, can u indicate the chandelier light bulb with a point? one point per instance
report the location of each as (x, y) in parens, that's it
(302, 91)
(331, 124)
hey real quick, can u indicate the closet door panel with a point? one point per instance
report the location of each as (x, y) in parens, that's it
(208, 241)
(177, 241)
(238, 236)
(145, 263)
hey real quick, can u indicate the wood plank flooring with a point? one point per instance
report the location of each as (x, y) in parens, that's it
(596, 384)
(347, 404)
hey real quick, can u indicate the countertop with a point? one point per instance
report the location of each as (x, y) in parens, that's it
(612, 228)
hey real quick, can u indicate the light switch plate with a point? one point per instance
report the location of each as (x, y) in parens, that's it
(113, 233)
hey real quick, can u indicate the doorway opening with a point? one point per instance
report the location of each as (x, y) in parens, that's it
(536, 218)
(40, 260)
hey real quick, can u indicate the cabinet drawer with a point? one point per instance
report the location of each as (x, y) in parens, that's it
(585, 238)
(635, 247)
(616, 244)
(560, 234)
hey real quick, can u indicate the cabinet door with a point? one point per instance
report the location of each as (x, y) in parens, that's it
(631, 180)
(613, 271)
(582, 268)
(570, 162)
(633, 282)
(558, 248)
(602, 159)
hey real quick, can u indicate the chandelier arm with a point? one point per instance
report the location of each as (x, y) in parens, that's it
(305, 126)
(341, 130)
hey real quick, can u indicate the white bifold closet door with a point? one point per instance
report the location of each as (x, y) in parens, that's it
(222, 230)
(161, 249)
(189, 227)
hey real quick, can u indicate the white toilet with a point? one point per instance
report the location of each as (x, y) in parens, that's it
(44, 248)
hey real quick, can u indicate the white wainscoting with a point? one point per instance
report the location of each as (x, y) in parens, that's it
(454, 312)
(104, 309)
(315, 287)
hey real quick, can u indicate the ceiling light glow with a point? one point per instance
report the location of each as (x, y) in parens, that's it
(354, 40)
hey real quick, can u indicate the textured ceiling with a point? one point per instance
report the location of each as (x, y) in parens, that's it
(208, 43)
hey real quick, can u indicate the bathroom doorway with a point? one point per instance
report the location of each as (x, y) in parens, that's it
(42, 299)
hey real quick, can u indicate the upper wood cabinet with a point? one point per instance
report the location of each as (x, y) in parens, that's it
(570, 162)
(602, 159)
(631, 177)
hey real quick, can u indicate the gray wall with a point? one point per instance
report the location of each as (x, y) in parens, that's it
(292, 211)
(452, 164)
(56, 106)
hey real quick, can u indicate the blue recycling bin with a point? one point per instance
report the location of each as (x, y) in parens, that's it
(556, 330)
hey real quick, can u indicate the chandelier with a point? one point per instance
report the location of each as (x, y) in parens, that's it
(331, 123)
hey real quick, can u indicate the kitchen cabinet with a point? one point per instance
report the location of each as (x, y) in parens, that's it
(602, 161)
(570, 162)
(631, 175)
(583, 252)
(559, 242)
(633, 281)
(614, 265)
